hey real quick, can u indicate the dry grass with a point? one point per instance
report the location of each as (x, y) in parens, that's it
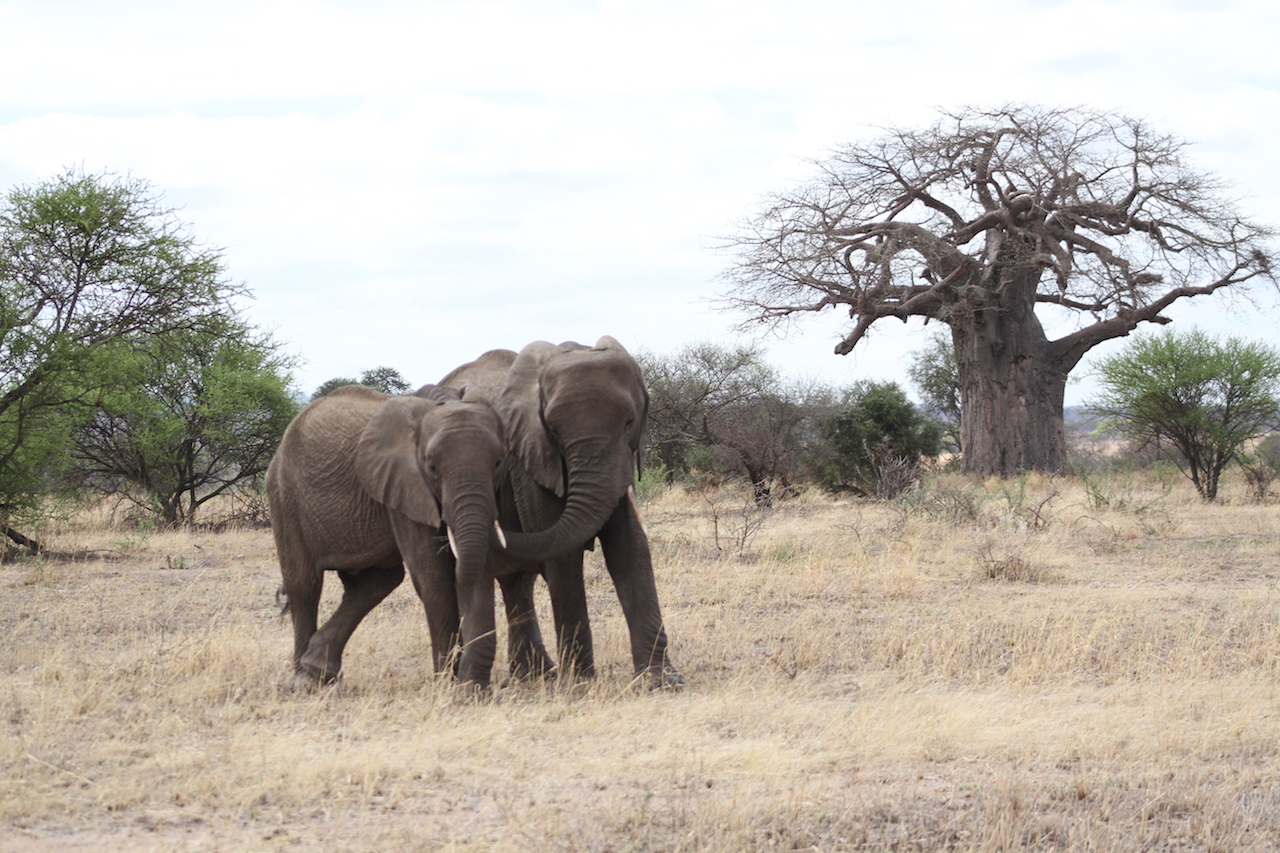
(984, 667)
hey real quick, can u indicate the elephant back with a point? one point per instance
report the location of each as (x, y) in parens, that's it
(486, 375)
(328, 427)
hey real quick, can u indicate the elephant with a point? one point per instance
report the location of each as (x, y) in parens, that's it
(367, 484)
(574, 419)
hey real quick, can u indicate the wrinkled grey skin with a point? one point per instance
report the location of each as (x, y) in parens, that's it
(367, 484)
(574, 418)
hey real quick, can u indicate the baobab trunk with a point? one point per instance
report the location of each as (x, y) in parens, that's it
(1012, 385)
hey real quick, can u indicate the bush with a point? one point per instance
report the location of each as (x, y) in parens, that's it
(1262, 466)
(873, 443)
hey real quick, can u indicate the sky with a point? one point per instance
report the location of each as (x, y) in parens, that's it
(410, 184)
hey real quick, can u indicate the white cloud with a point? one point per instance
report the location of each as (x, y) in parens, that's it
(411, 183)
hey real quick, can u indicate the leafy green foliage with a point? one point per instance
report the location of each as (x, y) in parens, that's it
(876, 432)
(85, 261)
(199, 413)
(936, 379)
(1204, 397)
(385, 379)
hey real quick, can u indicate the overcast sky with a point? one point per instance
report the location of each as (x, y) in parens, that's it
(410, 184)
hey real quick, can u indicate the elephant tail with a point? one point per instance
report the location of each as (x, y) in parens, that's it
(282, 601)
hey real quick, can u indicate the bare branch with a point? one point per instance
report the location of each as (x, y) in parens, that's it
(1087, 210)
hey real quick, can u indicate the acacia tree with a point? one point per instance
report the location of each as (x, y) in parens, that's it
(196, 414)
(85, 261)
(984, 221)
(690, 387)
(1206, 398)
(385, 379)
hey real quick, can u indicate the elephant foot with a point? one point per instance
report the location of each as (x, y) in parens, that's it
(534, 664)
(573, 673)
(306, 680)
(301, 683)
(472, 692)
(665, 678)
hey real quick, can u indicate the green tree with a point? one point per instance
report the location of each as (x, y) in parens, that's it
(1206, 398)
(873, 441)
(1000, 223)
(385, 379)
(85, 262)
(934, 375)
(198, 414)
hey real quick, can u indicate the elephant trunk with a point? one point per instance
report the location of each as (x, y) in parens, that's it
(591, 495)
(469, 514)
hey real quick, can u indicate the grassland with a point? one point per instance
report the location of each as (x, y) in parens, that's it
(1035, 665)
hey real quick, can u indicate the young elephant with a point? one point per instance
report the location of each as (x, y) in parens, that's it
(366, 484)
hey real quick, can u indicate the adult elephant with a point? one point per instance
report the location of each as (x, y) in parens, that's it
(574, 418)
(365, 484)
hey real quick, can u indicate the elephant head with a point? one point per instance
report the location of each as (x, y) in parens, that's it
(436, 457)
(575, 417)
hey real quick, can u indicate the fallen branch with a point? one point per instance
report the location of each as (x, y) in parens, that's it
(33, 547)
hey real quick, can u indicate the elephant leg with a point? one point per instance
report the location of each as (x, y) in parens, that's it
(479, 632)
(303, 602)
(569, 607)
(626, 554)
(431, 569)
(525, 648)
(431, 566)
(362, 591)
(301, 582)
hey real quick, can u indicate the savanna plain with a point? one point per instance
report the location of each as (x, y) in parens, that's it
(1035, 664)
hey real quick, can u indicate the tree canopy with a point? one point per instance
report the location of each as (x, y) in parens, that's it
(1206, 398)
(990, 221)
(96, 273)
(85, 261)
(196, 414)
(385, 379)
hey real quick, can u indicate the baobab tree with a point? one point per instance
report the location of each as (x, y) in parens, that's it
(985, 221)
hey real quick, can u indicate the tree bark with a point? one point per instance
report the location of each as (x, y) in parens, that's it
(32, 546)
(1012, 378)
(1012, 415)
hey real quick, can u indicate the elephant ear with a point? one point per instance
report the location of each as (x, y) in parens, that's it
(519, 405)
(643, 441)
(609, 343)
(386, 459)
(472, 394)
